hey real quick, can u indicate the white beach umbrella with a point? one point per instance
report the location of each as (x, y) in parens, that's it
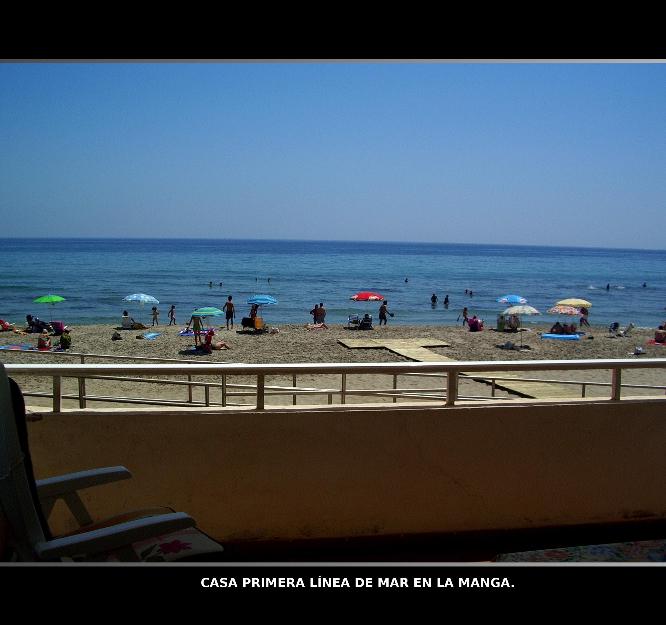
(521, 310)
(141, 298)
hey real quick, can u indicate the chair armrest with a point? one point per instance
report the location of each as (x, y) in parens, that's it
(70, 482)
(113, 537)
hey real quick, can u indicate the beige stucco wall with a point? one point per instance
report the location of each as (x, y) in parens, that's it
(330, 473)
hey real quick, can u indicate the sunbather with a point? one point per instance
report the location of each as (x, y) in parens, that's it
(65, 340)
(35, 324)
(475, 324)
(208, 346)
(44, 340)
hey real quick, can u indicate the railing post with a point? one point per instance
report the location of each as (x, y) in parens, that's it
(583, 390)
(293, 396)
(616, 386)
(260, 391)
(82, 386)
(224, 390)
(189, 388)
(493, 386)
(207, 394)
(57, 393)
(395, 387)
(343, 389)
(452, 387)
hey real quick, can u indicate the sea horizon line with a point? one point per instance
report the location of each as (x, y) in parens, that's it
(332, 241)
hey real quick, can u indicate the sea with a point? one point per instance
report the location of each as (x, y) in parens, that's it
(94, 275)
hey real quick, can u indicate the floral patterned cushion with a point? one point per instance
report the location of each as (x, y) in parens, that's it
(637, 551)
(187, 543)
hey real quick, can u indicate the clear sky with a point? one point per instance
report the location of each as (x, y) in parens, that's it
(543, 154)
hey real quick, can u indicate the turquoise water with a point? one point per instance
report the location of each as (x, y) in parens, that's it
(95, 274)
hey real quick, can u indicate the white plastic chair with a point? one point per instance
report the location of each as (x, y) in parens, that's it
(25, 503)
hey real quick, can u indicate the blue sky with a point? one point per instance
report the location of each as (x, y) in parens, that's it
(532, 153)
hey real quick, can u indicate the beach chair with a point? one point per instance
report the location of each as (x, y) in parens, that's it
(353, 322)
(365, 323)
(627, 330)
(155, 535)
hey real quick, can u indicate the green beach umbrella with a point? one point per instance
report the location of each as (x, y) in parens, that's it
(207, 311)
(48, 299)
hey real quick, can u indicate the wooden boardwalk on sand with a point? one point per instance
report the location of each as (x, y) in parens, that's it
(416, 349)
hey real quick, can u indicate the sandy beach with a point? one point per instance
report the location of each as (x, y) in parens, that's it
(298, 344)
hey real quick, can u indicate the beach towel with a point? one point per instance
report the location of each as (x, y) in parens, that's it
(24, 348)
(151, 335)
(190, 332)
(192, 351)
(653, 342)
(561, 337)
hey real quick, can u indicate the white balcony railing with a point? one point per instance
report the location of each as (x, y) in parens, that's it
(445, 391)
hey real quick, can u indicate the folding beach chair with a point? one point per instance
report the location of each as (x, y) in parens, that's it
(627, 330)
(155, 535)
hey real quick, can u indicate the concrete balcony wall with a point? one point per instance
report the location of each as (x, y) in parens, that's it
(359, 472)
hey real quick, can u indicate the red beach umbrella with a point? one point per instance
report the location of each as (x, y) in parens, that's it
(367, 296)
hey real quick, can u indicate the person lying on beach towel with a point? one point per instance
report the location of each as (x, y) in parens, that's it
(5, 326)
(316, 326)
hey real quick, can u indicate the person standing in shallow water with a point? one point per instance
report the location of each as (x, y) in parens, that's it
(446, 301)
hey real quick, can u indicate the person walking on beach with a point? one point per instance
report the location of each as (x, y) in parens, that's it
(464, 316)
(322, 312)
(383, 312)
(156, 314)
(230, 311)
(172, 315)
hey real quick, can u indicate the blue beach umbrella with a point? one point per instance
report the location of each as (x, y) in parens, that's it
(514, 300)
(262, 300)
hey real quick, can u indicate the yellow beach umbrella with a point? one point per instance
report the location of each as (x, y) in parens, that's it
(577, 303)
